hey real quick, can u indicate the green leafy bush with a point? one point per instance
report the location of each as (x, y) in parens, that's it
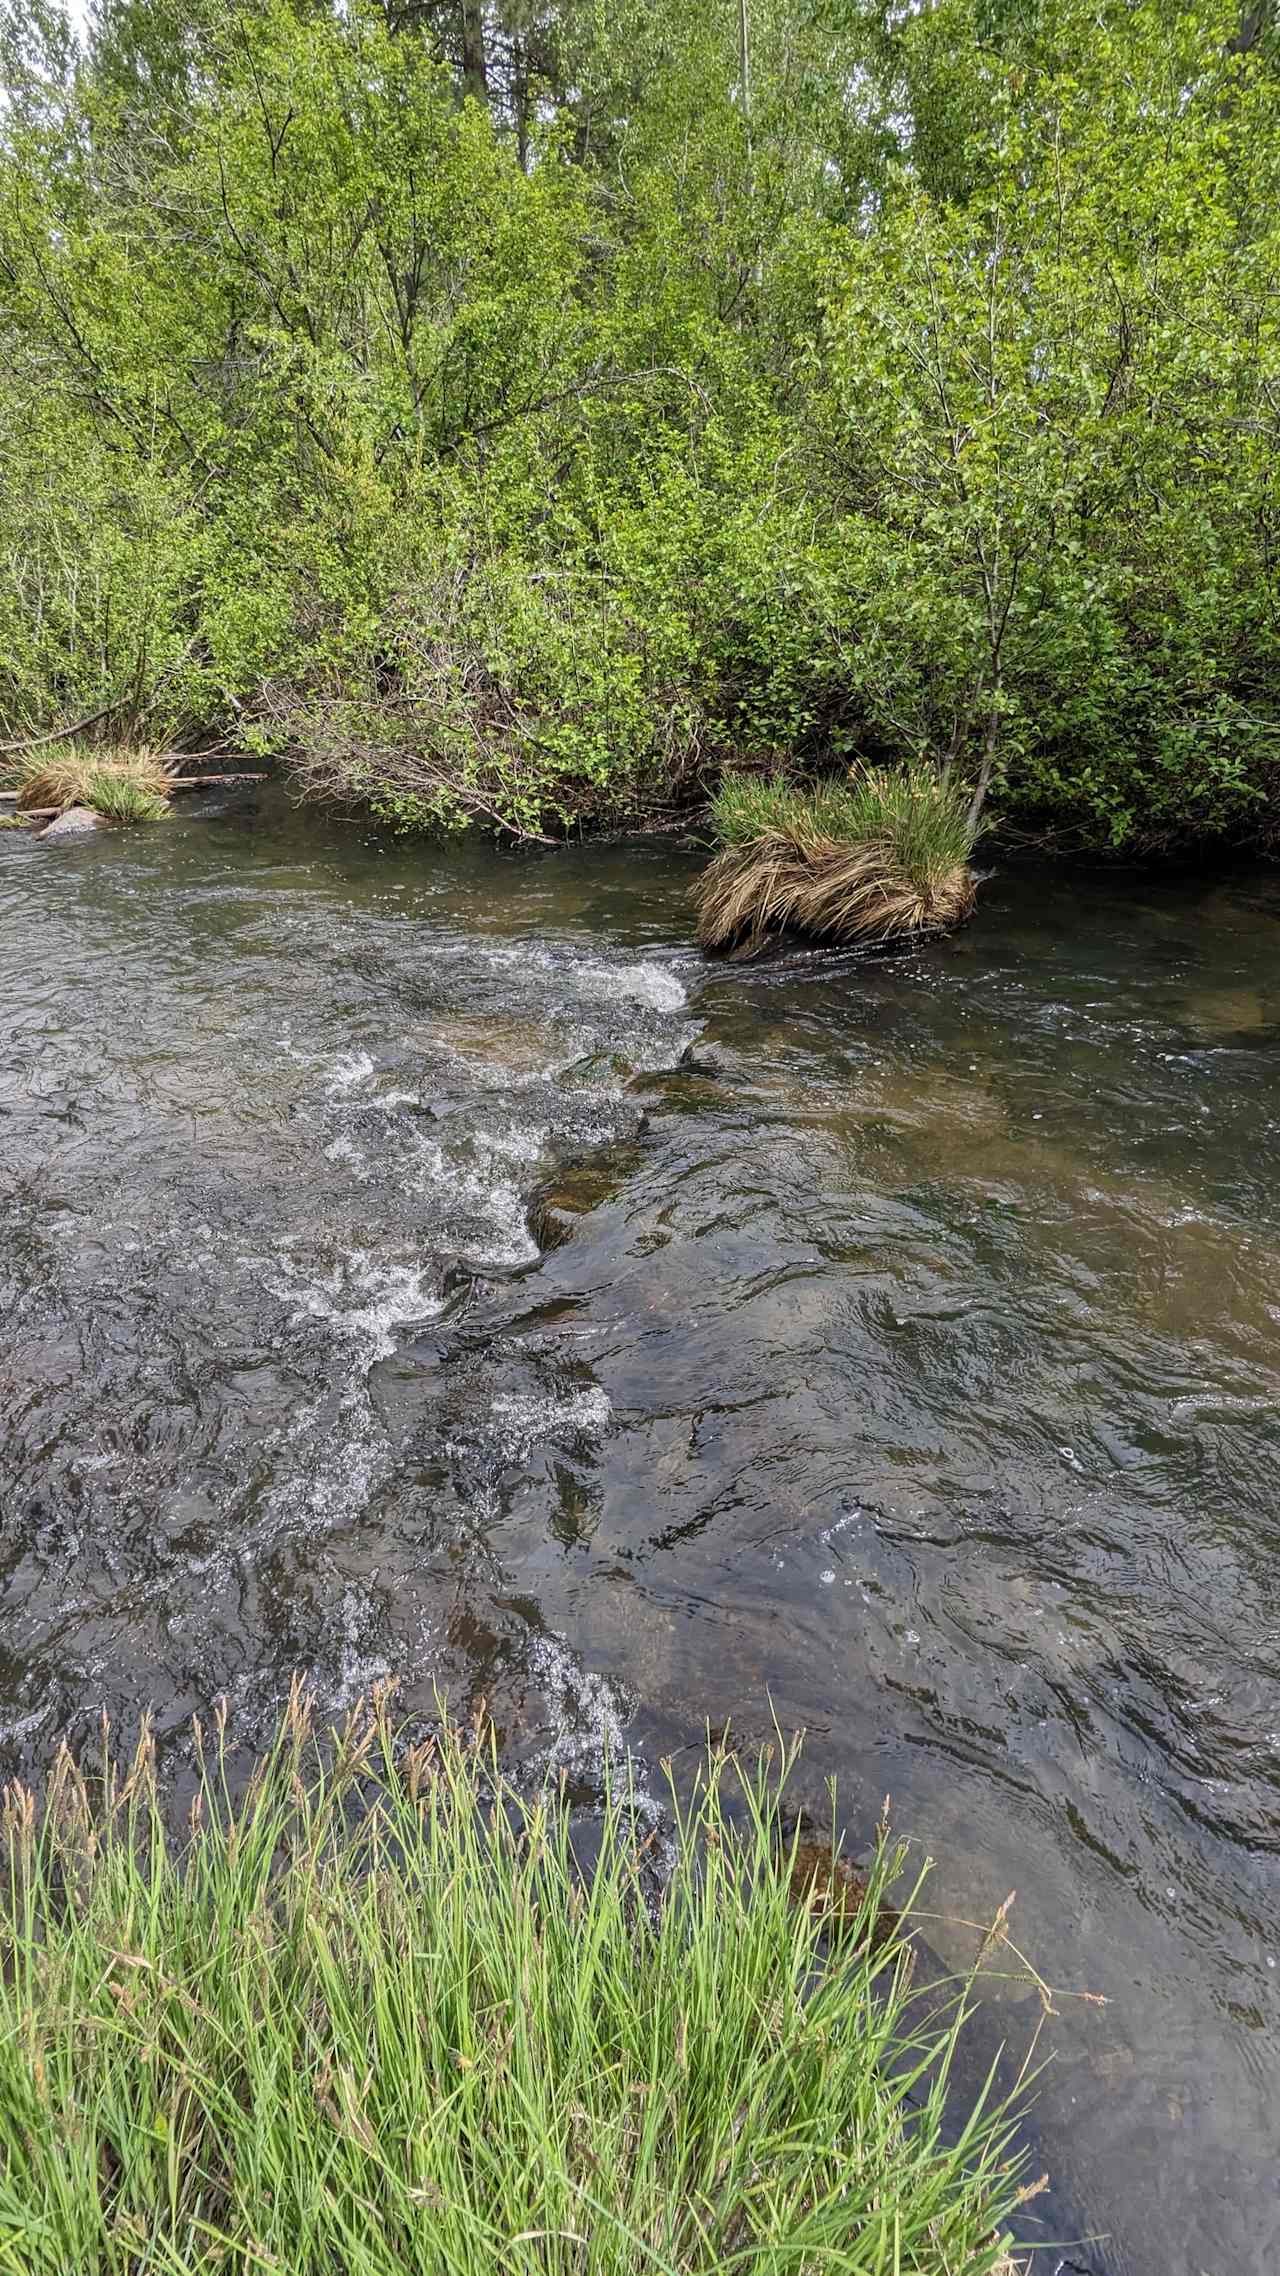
(530, 458)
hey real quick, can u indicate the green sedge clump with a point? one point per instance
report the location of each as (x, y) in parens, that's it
(376, 2016)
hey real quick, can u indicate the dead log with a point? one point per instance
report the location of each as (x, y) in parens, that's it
(210, 781)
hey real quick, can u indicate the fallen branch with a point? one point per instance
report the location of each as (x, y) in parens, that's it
(178, 782)
(60, 734)
(210, 781)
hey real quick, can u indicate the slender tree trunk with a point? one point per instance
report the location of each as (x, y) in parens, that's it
(744, 82)
(475, 76)
(956, 741)
(1253, 23)
(990, 741)
(520, 99)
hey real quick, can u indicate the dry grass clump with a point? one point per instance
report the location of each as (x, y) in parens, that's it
(124, 783)
(879, 859)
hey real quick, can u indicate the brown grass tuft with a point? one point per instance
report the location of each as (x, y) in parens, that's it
(67, 776)
(784, 882)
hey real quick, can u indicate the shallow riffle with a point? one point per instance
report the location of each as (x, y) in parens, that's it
(418, 1261)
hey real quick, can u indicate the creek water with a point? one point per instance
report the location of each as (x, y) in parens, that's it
(420, 1261)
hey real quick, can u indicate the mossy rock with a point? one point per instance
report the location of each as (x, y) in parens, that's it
(77, 822)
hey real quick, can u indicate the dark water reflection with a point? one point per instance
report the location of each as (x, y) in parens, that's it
(907, 1357)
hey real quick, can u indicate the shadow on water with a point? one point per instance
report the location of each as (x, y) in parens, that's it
(420, 1262)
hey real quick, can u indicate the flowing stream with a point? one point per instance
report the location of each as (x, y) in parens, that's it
(420, 1261)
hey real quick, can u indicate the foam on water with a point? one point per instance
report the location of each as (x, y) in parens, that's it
(365, 1298)
(339, 1465)
(589, 1712)
(654, 985)
(358, 1668)
(647, 982)
(343, 1148)
(519, 1144)
(589, 1715)
(462, 1189)
(524, 1422)
(349, 1071)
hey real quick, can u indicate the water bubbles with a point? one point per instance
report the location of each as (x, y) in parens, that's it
(363, 1297)
(849, 1519)
(351, 1069)
(524, 1421)
(588, 1716)
(654, 985)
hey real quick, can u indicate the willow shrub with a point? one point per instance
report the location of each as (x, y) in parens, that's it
(533, 473)
(375, 2016)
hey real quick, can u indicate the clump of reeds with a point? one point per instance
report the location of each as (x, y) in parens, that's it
(376, 2017)
(880, 858)
(126, 783)
(123, 796)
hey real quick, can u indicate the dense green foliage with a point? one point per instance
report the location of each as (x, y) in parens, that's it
(525, 409)
(374, 2018)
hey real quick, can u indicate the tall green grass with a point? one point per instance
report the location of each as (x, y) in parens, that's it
(119, 798)
(373, 2018)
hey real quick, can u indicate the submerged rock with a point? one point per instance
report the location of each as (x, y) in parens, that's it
(77, 822)
(600, 1070)
(827, 1885)
(574, 1190)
